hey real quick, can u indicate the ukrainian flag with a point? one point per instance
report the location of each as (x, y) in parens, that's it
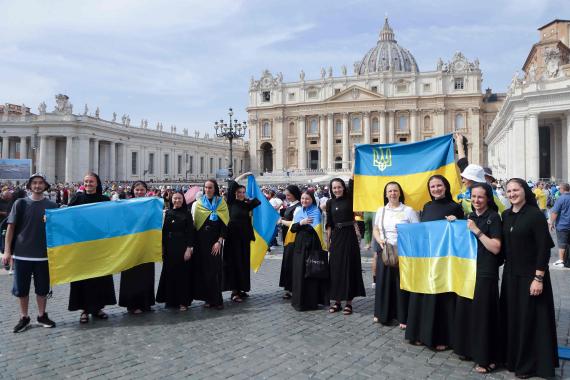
(408, 164)
(437, 257)
(264, 221)
(98, 239)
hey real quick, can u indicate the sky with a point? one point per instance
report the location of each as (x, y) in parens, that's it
(185, 62)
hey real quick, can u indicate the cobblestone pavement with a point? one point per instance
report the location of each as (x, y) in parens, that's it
(260, 338)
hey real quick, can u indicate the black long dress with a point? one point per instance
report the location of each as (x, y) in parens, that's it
(430, 316)
(206, 268)
(236, 257)
(345, 267)
(308, 293)
(286, 275)
(527, 322)
(174, 288)
(476, 330)
(92, 294)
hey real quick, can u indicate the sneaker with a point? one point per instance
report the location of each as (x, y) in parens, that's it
(22, 325)
(10, 272)
(45, 321)
(558, 264)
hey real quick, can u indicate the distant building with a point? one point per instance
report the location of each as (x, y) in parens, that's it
(64, 146)
(314, 123)
(531, 134)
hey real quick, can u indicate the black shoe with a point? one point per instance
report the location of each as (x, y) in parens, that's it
(45, 321)
(22, 325)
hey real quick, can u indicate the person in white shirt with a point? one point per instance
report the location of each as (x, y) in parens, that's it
(390, 301)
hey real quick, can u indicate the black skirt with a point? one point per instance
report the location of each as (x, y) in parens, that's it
(430, 319)
(529, 327)
(390, 302)
(308, 293)
(476, 329)
(137, 287)
(92, 295)
(174, 288)
(207, 270)
(236, 260)
(345, 266)
(286, 276)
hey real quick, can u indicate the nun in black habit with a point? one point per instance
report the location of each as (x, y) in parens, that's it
(430, 316)
(236, 257)
(136, 292)
(177, 247)
(91, 295)
(293, 197)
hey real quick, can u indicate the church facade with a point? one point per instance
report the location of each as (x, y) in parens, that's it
(531, 134)
(313, 124)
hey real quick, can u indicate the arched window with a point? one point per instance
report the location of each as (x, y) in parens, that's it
(356, 126)
(402, 123)
(375, 126)
(427, 123)
(338, 127)
(459, 122)
(314, 127)
(266, 130)
(292, 131)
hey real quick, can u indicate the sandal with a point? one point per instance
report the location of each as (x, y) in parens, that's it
(347, 310)
(287, 296)
(485, 369)
(335, 308)
(243, 294)
(441, 347)
(236, 298)
(403, 326)
(183, 308)
(101, 315)
(376, 320)
(84, 318)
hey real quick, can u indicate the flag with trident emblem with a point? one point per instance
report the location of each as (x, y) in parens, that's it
(410, 165)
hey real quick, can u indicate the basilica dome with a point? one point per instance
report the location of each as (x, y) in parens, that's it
(386, 55)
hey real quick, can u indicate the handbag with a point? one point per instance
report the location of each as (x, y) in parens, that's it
(317, 265)
(389, 254)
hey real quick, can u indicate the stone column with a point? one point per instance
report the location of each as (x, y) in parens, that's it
(330, 141)
(474, 125)
(566, 147)
(345, 141)
(414, 131)
(366, 127)
(95, 163)
(113, 161)
(6, 147)
(391, 130)
(69, 159)
(82, 166)
(323, 141)
(382, 126)
(279, 135)
(43, 155)
(532, 148)
(302, 139)
(23, 147)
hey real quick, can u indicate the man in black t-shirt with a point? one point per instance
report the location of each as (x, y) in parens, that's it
(26, 246)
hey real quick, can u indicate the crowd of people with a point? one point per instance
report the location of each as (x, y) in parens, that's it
(206, 251)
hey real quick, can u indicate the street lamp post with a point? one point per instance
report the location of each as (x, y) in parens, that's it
(232, 131)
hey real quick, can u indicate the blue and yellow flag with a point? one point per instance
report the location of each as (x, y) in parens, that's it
(264, 221)
(98, 239)
(301, 213)
(410, 165)
(437, 257)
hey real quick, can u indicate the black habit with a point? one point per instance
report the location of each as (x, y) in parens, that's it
(476, 330)
(93, 294)
(345, 266)
(308, 293)
(237, 246)
(285, 278)
(430, 316)
(527, 322)
(174, 288)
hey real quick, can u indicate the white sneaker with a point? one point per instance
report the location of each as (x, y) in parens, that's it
(10, 272)
(558, 264)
